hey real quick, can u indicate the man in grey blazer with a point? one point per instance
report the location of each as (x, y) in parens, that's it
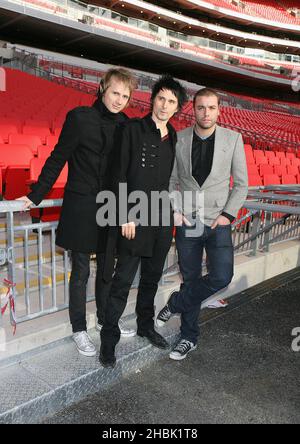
(207, 155)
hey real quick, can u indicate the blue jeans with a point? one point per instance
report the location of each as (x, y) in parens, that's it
(196, 288)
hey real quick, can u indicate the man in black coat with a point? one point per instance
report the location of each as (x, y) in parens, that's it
(85, 142)
(143, 160)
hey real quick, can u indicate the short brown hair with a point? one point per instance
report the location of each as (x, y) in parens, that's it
(205, 92)
(120, 74)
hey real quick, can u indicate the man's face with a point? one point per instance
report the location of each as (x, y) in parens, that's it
(206, 111)
(165, 105)
(116, 96)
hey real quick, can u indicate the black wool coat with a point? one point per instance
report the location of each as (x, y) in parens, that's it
(136, 161)
(85, 142)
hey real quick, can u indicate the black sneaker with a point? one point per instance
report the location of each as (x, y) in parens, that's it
(164, 315)
(181, 349)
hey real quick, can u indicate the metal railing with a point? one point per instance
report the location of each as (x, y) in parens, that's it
(42, 279)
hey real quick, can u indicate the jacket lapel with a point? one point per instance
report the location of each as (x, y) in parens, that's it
(218, 157)
(185, 150)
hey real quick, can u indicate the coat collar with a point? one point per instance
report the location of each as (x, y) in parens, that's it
(106, 114)
(150, 124)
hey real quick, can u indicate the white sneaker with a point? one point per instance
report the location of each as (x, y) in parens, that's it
(220, 303)
(126, 332)
(84, 343)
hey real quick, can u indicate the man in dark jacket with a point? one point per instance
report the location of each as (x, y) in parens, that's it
(85, 142)
(143, 160)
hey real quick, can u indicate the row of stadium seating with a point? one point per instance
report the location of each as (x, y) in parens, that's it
(32, 107)
(268, 9)
(20, 168)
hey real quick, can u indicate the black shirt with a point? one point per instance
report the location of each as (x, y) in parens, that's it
(166, 162)
(202, 157)
(202, 160)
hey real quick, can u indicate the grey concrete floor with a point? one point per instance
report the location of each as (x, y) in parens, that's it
(243, 371)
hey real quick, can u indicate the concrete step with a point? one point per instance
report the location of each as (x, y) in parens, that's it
(50, 378)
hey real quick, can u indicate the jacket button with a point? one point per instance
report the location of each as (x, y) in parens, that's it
(143, 165)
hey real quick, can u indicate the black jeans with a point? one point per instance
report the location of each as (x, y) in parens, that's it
(126, 268)
(78, 283)
(195, 289)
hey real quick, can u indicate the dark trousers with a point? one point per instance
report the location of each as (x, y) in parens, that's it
(126, 268)
(77, 289)
(196, 288)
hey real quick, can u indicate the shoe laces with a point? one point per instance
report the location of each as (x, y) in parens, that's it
(183, 346)
(84, 339)
(165, 313)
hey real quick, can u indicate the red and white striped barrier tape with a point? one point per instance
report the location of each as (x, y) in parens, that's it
(9, 300)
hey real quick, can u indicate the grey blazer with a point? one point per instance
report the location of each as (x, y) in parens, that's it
(229, 160)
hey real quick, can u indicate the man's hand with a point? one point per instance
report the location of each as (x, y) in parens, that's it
(128, 230)
(27, 202)
(221, 220)
(179, 220)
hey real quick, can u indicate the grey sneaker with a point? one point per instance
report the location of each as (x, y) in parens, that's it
(181, 349)
(126, 332)
(84, 343)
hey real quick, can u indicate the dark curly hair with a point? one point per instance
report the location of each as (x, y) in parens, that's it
(167, 82)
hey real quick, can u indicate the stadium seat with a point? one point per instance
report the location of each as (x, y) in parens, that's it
(271, 179)
(6, 130)
(288, 179)
(252, 169)
(290, 156)
(254, 180)
(57, 191)
(260, 160)
(39, 131)
(15, 155)
(15, 169)
(280, 170)
(51, 141)
(266, 169)
(44, 151)
(274, 161)
(25, 139)
(292, 170)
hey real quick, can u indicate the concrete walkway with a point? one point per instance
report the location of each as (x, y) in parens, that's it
(244, 370)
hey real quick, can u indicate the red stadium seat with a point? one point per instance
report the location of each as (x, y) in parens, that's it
(44, 151)
(271, 179)
(258, 154)
(266, 169)
(15, 155)
(40, 131)
(57, 192)
(274, 161)
(6, 130)
(252, 170)
(51, 141)
(25, 139)
(290, 156)
(270, 155)
(261, 161)
(15, 170)
(292, 170)
(280, 170)
(288, 179)
(254, 180)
